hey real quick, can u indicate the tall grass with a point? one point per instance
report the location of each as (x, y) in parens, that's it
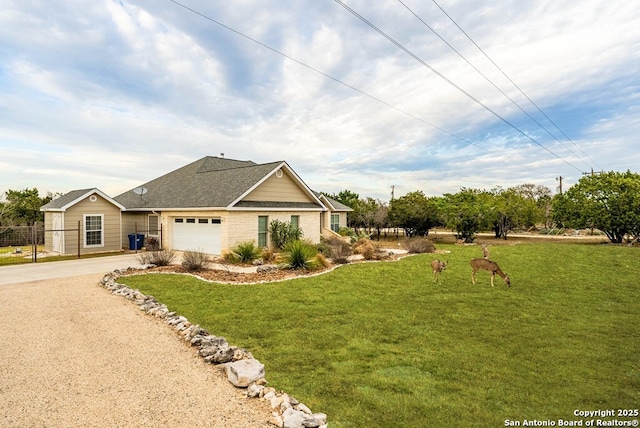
(381, 345)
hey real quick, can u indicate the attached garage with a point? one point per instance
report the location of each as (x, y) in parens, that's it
(197, 234)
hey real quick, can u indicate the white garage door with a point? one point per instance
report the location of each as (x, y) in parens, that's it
(197, 234)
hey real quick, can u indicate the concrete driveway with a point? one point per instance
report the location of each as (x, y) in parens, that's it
(29, 272)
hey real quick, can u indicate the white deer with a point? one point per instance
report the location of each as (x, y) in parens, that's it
(437, 266)
(492, 267)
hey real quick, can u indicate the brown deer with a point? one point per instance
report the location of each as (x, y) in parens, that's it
(485, 251)
(492, 267)
(437, 266)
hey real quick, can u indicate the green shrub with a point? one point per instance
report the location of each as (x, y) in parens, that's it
(195, 260)
(299, 255)
(283, 232)
(158, 258)
(419, 245)
(245, 252)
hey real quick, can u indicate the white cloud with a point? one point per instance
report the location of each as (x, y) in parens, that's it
(146, 87)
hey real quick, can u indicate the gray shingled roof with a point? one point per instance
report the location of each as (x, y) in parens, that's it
(210, 182)
(63, 200)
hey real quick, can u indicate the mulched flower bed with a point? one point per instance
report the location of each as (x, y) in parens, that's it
(228, 276)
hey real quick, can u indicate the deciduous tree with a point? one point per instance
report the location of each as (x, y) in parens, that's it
(609, 202)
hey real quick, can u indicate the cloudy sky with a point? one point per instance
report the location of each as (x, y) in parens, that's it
(353, 94)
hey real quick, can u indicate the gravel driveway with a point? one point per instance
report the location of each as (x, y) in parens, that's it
(74, 355)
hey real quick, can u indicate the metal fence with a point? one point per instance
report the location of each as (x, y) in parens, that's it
(24, 244)
(20, 243)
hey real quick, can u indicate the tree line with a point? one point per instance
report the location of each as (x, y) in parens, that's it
(609, 202)
(22, 207)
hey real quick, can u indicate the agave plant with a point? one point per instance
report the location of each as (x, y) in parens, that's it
(299, 254)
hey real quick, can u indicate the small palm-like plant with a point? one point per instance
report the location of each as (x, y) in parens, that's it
(245, 252)
(299, 254)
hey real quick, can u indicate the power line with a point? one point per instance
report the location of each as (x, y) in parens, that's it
(485, 77)
(512, 82)
(372, 97)
(361, 92)
(442, 76)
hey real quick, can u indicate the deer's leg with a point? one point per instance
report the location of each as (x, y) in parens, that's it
(493, 275)
(473, 277)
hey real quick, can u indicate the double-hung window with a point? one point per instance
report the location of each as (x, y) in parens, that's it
(154, 222)
(263, 229)
(295, 221)
(335, 222)
(93, 230)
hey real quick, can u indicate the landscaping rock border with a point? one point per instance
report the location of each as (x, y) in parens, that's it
(242, 370)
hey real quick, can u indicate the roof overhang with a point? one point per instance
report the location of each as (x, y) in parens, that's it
(84, 196)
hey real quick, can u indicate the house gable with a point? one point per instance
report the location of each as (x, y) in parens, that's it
(280, 189)
(279, 186)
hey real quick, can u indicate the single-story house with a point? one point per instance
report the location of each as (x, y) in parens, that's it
(209, 205)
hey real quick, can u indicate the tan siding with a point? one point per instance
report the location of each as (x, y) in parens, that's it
(112, 240)
(132, 222)
(283, 189)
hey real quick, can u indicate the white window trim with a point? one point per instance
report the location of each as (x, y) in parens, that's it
(157, 234)
(332, 223)
(84, 233)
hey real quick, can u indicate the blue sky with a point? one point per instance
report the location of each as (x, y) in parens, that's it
(111, 94)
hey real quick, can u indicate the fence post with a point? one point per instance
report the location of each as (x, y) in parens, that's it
(34, 244)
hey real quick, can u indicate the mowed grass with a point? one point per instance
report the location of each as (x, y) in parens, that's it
(381, 345)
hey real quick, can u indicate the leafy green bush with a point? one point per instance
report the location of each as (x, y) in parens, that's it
(158, 258)
(283, 232)
(299, 254)
(194, 260)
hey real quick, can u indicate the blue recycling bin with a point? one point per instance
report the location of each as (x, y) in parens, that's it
(136, 241)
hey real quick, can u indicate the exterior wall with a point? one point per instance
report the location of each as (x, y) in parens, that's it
(283, 189)
(243, 226)
(132, 222)
(111, 237)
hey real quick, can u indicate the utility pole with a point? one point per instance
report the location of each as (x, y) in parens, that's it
(592, 173)
(559, 180)
(393, 191)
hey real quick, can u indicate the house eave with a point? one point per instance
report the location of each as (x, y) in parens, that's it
(157, 209)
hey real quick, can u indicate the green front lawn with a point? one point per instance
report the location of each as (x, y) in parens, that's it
(381, 345)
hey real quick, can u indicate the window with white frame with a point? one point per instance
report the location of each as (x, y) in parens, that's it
(154, 222)
(335, 222)
(93, 230)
